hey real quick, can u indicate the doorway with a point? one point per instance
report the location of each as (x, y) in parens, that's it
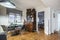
(41, 21)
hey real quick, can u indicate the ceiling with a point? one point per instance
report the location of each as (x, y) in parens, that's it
(52, 3)
(23, 4)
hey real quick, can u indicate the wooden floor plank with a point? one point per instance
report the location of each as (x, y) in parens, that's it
(34, 36)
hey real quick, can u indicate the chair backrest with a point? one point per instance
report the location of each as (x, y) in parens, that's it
(4, 27)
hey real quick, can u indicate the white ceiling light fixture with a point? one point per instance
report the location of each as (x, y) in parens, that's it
(7, 3)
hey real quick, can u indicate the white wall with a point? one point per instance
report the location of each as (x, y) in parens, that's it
(58, 21)
(4, 20)
(3, 16)
(47, 19)
(54, 24)
(50, 22)
(53, 20)
(38, 9)
(24, 14)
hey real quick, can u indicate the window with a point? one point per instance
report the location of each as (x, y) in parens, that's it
(14, 18)
(11, 18)
(18, 18)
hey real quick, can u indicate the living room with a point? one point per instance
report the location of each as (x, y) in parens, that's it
(29, 20)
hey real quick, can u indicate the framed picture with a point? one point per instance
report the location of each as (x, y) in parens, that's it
(53, 15)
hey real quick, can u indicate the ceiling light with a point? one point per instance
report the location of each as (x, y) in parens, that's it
(7, 4)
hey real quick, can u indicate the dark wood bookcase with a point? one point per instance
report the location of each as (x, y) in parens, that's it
(31, 19)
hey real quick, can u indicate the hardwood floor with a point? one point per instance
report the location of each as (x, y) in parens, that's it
(34, 36)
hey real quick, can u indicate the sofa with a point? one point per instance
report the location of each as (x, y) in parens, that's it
(2, 34)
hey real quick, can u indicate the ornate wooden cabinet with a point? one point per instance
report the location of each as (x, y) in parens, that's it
(31, 19)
